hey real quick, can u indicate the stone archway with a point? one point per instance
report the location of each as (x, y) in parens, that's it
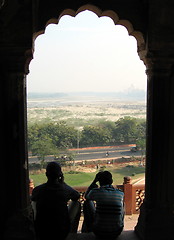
(108, 13)
(19, 21)
(141, 48)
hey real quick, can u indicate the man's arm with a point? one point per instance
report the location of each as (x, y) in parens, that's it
(93, 184)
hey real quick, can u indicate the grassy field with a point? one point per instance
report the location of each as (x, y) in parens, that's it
(74, 178)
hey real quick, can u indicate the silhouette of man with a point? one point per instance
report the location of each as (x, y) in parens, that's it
(106, 220)
(53, 218)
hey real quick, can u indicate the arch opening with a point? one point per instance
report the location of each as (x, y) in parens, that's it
(108, 13)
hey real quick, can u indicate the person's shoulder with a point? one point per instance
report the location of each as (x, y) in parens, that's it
(119, 191)
(68, 188)
(93, 190)
(37, 191)
(96, 189)
(65, 185)
(41, 186)
(70, 193)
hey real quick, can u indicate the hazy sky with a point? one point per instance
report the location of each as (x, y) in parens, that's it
(85, 53)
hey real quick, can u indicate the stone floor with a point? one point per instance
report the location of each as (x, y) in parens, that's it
(127, 234)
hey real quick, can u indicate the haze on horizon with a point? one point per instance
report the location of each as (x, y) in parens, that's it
(86, 54)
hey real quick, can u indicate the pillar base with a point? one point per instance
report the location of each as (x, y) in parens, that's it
(155, 223)
(20, 226)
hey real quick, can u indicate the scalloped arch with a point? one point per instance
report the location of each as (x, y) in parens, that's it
(107, 13)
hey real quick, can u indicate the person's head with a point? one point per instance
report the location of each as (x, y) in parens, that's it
(105, 178)
(53, 171)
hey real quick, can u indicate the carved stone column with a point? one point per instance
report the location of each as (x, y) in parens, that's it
(156, 219)
(14, 163)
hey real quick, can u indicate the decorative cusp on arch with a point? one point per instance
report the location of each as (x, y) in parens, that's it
(100, 13)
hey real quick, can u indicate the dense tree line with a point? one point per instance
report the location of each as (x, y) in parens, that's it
(51, 138)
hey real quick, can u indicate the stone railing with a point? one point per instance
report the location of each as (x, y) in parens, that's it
(134, 194)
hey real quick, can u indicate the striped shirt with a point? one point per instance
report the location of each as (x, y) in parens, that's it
(109, 215)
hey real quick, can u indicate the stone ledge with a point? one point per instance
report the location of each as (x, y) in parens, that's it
(90, 236)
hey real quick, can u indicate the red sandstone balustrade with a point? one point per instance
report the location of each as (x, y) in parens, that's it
(133, 194)
(31, 186)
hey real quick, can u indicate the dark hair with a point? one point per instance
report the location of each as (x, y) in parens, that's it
(105, 178)
(53, 170)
